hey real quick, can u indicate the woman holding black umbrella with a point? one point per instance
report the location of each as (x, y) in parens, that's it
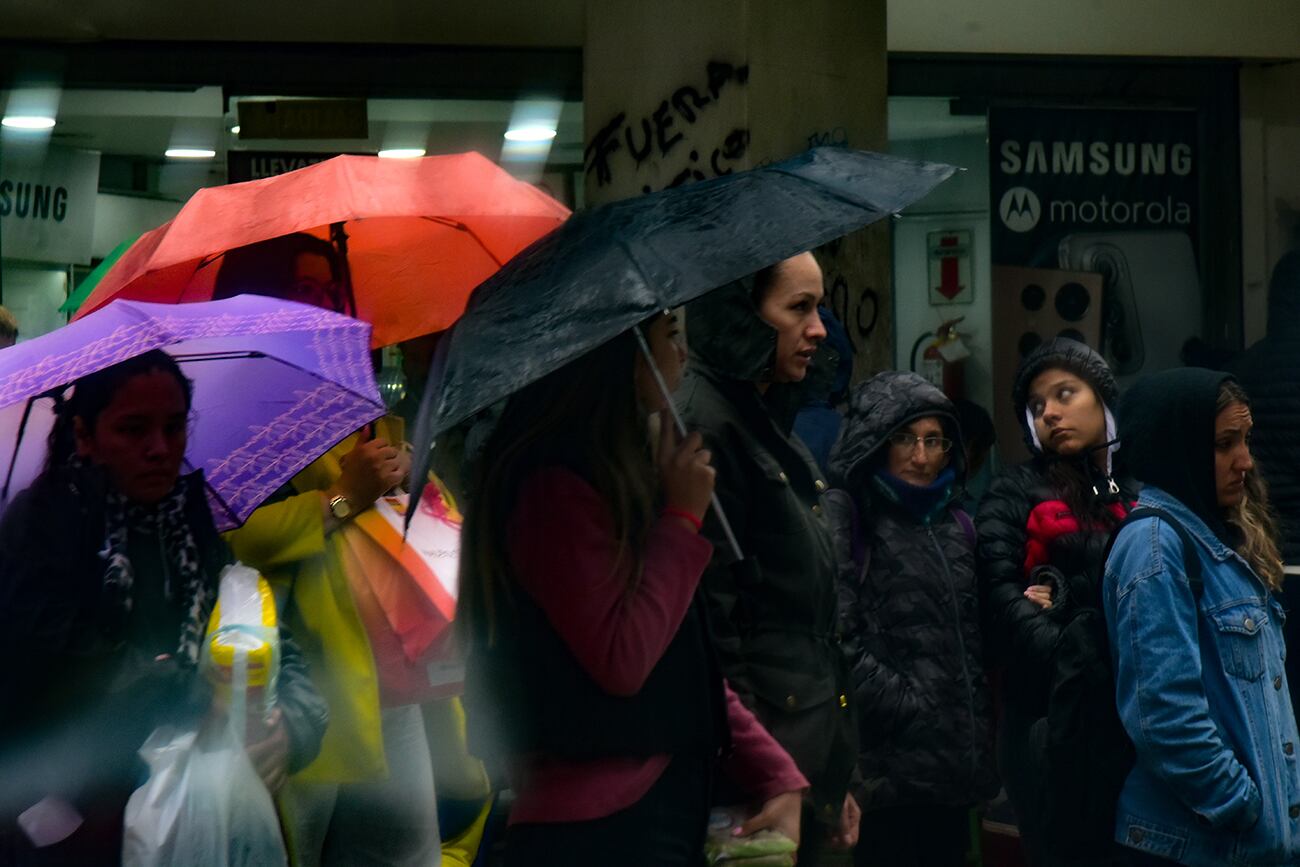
(590, 673)
(774, 611)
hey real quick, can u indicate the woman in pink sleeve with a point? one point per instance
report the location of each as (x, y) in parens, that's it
(591, 679)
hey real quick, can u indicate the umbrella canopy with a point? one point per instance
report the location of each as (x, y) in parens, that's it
(611, 267)
(91, 280)
(421, 234)
(276, 385)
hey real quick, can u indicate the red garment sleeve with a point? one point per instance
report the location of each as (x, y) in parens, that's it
(757, 764)
(563, 550)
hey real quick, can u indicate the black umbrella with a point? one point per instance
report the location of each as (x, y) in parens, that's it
(608, 268)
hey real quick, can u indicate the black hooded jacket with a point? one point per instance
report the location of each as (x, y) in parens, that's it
(1270, 373)
(910, 612)
(1024, 523)
(773, 613)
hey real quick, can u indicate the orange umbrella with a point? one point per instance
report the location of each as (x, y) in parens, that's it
(419, 234)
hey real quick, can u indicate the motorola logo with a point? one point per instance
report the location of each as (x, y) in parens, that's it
(1020, 209)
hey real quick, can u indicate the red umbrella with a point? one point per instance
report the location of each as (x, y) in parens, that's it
(418, 235)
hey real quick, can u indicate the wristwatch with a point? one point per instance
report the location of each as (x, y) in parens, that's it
(340, 507)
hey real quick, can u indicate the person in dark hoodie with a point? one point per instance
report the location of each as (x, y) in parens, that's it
(910, 612)
(1196, 635)
(818, 421)
(109, 568)
(1270, 373)
(1043, 529)
(773, 609)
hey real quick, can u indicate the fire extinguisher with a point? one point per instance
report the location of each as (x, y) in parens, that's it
(943, 363)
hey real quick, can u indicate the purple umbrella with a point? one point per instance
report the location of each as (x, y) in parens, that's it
(276, 385)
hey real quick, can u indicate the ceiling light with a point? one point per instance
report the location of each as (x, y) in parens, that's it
(235, 129)
(401, 153)
(530, 133)
(28, 122)
(190, 153)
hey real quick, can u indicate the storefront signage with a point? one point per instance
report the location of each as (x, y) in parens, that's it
(47, 203)
(1057, 171)
(254, 165)
(1106, 192)
(303, 118)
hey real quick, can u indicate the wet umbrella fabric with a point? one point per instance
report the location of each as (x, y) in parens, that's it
(276, 385)
(420, 235)
(610, 267)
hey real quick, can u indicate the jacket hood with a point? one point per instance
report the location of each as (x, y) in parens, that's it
(1167, 425)
(837, 339)
(727, 336)
(877, 408)
(1284, 297)
(1069, 355)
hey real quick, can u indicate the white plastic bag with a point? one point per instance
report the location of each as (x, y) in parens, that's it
(203, 806)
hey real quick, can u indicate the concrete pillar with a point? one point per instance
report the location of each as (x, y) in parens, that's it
(682, 90)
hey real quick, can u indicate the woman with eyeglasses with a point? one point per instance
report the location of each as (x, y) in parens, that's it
(910, 616)
(1043, 530)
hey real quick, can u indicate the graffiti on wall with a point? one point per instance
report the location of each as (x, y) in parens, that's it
(671, 131)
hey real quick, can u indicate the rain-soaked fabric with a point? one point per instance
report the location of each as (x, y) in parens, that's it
(608, 268)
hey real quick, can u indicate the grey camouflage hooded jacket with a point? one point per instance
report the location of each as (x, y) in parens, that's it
(909, 608)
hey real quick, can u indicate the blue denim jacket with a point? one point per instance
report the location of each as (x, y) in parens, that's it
(1204, 697)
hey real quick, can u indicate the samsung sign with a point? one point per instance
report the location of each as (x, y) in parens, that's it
(1097, 158)
(1057, 171)
(47, 203)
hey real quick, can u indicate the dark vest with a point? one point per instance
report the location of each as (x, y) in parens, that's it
(528, 694)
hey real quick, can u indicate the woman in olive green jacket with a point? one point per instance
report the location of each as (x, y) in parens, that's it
(773, 612)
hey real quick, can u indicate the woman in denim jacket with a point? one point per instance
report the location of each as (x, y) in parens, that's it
(1200, 684)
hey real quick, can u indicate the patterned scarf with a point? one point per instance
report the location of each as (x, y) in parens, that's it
(165, 519)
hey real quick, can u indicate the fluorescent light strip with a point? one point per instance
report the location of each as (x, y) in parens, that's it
(190, 153)
(28, 122)
(401, 153)
(530, 133)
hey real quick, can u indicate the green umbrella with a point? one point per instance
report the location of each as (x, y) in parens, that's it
(86, 286)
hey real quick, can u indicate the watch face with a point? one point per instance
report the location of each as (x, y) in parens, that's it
(340, 507)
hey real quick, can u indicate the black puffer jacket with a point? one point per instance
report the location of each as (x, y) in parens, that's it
(1025, 524)
(909, 609)
(1270, 373)
(773, 613)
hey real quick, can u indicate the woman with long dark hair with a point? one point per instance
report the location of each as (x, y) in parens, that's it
(1043, 528)
(109, 566)
(1196, 635)
(590, 674)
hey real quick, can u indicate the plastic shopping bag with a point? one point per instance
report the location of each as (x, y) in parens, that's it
(203, 806)
(761, 849)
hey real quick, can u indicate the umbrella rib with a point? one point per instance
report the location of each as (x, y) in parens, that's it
(456, 224)
(230, 512)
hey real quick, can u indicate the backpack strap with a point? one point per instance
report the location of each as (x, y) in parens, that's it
(967, 525)
(1191, 563)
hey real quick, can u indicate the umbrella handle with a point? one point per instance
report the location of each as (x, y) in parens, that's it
(681, 429)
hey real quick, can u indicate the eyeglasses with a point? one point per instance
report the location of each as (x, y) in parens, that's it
(908, 441)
